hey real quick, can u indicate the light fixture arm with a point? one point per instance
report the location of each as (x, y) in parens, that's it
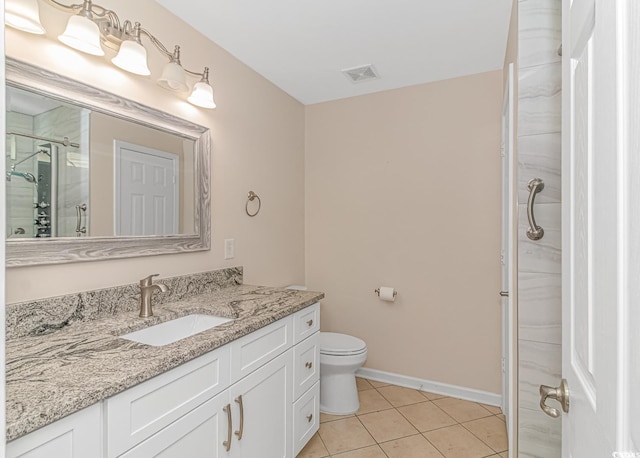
(173, 56)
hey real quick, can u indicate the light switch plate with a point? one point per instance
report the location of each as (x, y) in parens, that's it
(229, 248)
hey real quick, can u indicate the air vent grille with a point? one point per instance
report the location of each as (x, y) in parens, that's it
(361, 74)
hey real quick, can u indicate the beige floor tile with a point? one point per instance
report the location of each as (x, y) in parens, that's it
(387, 425)
(314, 448)
(325, 417)
(504, 454)
(462, 410)
(344, 435)
(410, 447)
(378, 384)
(502, 417)
(363, 384)
(369, 452)
(457, 442)
(491, 430)
(432, 396)
(493, 409)
(372, 401)
(426, 416)
(400, 396)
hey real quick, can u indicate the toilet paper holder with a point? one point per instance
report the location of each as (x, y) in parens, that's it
(377, 291)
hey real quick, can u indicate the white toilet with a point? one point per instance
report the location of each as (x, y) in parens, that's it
(341, 356)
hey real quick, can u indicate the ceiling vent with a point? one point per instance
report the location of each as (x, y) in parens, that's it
(361, 74)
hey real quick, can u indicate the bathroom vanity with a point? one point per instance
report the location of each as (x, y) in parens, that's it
(249, 387)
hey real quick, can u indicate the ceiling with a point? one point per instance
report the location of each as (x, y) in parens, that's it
(302, 46)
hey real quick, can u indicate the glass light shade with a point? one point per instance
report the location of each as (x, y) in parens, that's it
(132, 57)
(173, 78)
(82, 34)
(23, 15)
(202, 95)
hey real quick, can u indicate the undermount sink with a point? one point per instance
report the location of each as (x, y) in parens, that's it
(174, 330)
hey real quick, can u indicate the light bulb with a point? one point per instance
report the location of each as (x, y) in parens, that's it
(23, 15)
(202, 95)
(173, 77)
(132, 58)
(82, 34)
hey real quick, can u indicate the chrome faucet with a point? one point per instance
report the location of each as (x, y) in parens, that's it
(147, 287)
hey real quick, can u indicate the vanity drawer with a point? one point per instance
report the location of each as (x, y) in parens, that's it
(258, 348)
(306, 360)
(306, 322)
(306, 418)
(145, 409)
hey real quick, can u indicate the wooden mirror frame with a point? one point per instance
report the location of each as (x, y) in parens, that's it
(29, 252)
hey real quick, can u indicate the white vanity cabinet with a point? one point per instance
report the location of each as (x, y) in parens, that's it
(257, 396)
(77, 436)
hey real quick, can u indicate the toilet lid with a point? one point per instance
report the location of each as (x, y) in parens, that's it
(332, 343)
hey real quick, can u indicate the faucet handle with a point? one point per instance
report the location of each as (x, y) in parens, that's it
(148, 281)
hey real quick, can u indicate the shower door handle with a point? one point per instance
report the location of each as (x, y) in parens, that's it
(80, 229)
(534, 232)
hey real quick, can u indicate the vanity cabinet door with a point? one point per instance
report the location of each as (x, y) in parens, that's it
(198, 434)
(145, 409)
(262, 413)
(75, 436)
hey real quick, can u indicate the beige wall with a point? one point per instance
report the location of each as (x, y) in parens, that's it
(257, 136)
(403, 190)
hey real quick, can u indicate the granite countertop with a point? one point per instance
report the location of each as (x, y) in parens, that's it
(51, 376)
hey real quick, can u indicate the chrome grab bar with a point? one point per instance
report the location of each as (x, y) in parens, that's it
(79, 228)
(534, 232)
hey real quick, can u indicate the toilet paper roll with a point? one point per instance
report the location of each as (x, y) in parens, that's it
(387, 293)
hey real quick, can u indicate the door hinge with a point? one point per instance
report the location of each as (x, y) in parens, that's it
(504, 366)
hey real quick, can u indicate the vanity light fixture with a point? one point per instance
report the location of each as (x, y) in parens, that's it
(92, 25)
(23, 15)
(132, 57)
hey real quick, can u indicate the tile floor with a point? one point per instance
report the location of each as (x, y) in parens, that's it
(398, 422)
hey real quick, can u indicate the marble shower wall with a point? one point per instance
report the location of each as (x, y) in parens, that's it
(539, 262)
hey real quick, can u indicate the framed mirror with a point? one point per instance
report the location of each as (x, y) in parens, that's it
(91, 175)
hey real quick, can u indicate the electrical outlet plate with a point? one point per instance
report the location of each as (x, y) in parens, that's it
(229, 248)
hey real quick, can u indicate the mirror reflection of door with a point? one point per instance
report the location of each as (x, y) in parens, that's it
(146, 190)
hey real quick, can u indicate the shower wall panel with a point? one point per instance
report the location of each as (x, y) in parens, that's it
(539, 262)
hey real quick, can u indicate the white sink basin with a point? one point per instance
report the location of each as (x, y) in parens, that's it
(174, 330)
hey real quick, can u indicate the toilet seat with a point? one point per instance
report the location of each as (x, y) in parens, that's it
(335, 344)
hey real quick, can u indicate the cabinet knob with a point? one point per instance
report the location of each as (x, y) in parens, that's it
(310, 417)
(308, 364)
(310, 323)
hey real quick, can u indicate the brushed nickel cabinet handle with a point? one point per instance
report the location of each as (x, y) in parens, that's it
(241, 430)
(310, 417)
(227, 443)
(80, 229)
(310, 323)
(308, 364)
(559, 393)
(534, 232)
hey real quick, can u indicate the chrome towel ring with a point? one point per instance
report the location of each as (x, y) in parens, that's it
(250, 198)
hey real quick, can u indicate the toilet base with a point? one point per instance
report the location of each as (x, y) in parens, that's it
(339, 394)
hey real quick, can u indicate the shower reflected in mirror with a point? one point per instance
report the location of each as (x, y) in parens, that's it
(47, 177)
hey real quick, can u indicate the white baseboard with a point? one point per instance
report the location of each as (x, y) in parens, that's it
(444, 389)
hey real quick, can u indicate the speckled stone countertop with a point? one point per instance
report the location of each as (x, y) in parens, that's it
(53, 375)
